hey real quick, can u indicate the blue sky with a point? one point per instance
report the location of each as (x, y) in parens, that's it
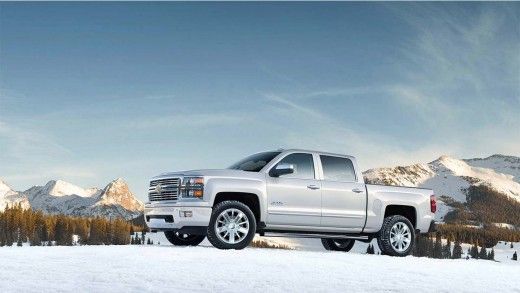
(94, 91)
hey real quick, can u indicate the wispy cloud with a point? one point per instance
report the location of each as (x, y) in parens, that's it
(294, 106)
(187, 120)
(22, 143)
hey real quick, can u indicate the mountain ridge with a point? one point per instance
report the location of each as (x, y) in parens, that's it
(61, 197)
(451, 177)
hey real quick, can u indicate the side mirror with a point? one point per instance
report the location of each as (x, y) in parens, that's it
(282, 169)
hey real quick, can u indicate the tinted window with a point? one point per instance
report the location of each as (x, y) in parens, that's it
(254, 163)
(303, 166)
(337, 169)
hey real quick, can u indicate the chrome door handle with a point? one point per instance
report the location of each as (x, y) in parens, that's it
(357, 190)
(313, 187)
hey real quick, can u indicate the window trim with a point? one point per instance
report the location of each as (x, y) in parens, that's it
(340, 181)
(314, 165)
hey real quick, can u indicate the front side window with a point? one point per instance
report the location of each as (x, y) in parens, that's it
(303, 166)
(337, 169)
(254, 163)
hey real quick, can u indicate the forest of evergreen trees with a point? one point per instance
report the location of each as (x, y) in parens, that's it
(487, 236)
(20, 226)
(433, 247)
(484, 206)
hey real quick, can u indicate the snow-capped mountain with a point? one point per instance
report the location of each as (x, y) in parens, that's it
(10, 197)
(451, 177)
(500, 163)
(57, 196)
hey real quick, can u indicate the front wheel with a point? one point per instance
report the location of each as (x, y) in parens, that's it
(232, 225)
(183, 239)
(396, 237)
(338, 244)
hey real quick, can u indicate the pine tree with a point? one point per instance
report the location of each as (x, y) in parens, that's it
(149, 242)
(512, 246)
(474, 251)
(35, 239)
(483, 253)
(82, 231)
(143, 234)
(457, 250)
(19, 242)
(60, 231)
(491, 255)
(437, 247)
(446, 250)
(2, 237)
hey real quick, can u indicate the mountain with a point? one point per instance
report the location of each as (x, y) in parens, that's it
(500, 163)
(451, 178)
(60, 197)
(9, 197)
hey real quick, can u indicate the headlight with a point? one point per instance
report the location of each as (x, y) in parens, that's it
(192, 187)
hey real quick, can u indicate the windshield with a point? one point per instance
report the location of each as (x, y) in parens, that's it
(254, 163)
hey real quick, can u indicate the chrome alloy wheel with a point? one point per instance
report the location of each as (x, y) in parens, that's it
(232, 226)
(400, 237)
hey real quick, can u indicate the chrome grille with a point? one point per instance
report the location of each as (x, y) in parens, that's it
(169, 189)
(167, 181)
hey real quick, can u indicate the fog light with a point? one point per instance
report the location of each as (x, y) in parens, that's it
(186, 214)
(197, 193)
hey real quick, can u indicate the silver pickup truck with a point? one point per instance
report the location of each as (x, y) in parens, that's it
(290, 193)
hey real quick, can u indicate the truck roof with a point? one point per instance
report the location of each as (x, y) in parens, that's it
(314, 151)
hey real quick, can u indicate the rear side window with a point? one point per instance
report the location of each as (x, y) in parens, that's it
(303, 166)
(337, 169)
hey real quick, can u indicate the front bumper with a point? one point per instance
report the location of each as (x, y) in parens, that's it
(163, 218)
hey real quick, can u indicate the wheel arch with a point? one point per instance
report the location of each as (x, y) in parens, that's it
(251, 200)
(406, 211)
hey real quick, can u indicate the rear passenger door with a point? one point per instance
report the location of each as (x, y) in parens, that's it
(343, 198)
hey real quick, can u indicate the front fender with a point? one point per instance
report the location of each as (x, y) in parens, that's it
(215, 186)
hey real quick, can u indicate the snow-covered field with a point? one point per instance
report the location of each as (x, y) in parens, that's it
(161, 268)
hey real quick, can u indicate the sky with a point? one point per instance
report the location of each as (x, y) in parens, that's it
(90, 92)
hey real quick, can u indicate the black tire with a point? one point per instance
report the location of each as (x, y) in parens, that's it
(212, 234)
(338, 244)
(383, 237)
(180, 239)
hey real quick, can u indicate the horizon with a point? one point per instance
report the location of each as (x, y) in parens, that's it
(90, 92)
(104, 185)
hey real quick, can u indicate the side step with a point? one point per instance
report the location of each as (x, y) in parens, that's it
(312, 235)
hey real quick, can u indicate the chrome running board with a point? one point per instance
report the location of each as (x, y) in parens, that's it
(312, 235)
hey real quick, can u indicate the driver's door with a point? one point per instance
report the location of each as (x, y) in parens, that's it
(295, 199)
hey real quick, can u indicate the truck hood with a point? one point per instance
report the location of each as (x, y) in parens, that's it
(214, 173)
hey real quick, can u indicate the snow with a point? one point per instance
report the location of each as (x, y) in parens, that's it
(503, 183)
(205, 269)
(63, 188)
(9, 197)
(500, 163)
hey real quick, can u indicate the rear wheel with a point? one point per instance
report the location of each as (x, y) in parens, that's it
(183, 239)
(232, 225)
(338, 244)
(397, 236)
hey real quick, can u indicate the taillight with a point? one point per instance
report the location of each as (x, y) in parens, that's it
(433, 204)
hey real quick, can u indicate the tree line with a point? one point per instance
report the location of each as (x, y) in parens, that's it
(432, 247)
(18, 225)
(487, 236)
